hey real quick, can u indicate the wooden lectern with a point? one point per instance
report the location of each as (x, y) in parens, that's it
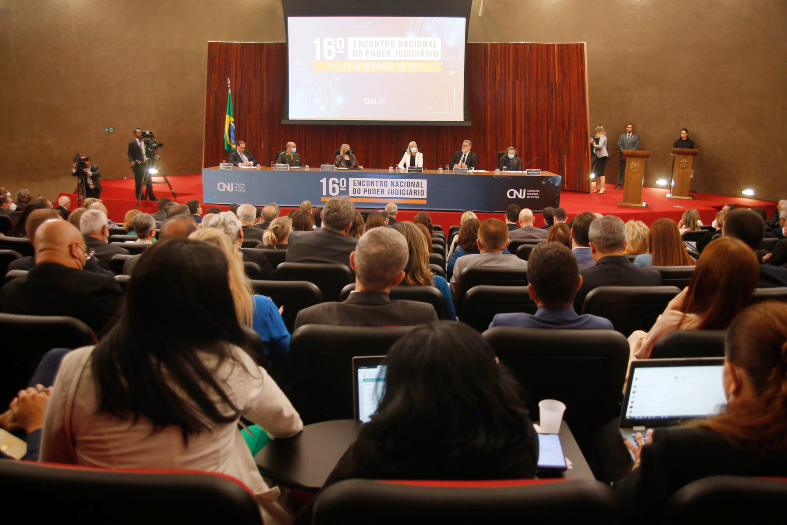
(635, 173)
(681, 173)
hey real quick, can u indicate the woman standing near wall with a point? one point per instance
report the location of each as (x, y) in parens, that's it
(602, 156)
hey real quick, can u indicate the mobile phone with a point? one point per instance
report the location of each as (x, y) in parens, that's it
(550, 452)
(12, 445)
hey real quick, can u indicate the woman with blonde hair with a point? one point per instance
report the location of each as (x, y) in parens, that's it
(278, 233)
(637, 237)
(602, 156)
(416, 272)
(346, 159)
(128, 221)
(666, 247)
(690, 221)
(256, 311)
(358, 227)
(412, 158)
(466, 215)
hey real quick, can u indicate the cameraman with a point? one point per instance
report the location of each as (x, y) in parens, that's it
(137, 159)
(92, 174)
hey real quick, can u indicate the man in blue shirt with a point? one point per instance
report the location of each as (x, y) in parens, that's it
(553, 274)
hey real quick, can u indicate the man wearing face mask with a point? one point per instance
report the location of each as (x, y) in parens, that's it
(509, 161)
(289, 156)
(60, 258)
(412, 158)
(7, 205)
(465, 158)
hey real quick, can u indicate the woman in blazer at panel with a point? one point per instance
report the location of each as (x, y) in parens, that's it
(412, 158)
(602, 156)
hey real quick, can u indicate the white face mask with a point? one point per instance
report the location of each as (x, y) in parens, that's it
(414, 150)
(13, 206)
(293, 149)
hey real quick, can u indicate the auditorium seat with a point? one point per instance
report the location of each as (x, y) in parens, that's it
(133, 249)
(22, 246)
(584, 369)
(478, 275)
(630, 256)
(454, 230)
(117, 262)
(276, 257)
(516, 243)
(436, 258)
(523, 251)
(421, 294)
(629, 307)
(49, 493)
(330, 278)
(438, 228)
(768, 244)
(680, 344)
(123, 280)
(693, 235)
(728, 500)
(439, 249)
(294, 296)
(6, 258)
(13, 274)
(253, 270)
(117, 230)
(482, 303)
(437, 270)
(26, 338)
(252, 243)
(503, 502)
(122, 238)
(675, 275)
(769, 294)
(321, 366)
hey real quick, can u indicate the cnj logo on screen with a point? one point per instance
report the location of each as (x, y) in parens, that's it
(232, 186)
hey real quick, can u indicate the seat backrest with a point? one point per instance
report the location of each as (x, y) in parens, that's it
(524, 250)
(769, 294)
(123, 280)
(478, 275)
(26, 338)
(438, 248)
(630, 256)
(453, 230)
(118, 261)
(541, 502)
(6, 258)
(689, 343)
(251, 243)
(133, 249)
(421, 294)
(152, 497)
(22, 246)
(436, 258)
(122, 238)
(437, 269)
(330, 278)
(728, 500)
(321, 366)
(252, 270)
(693, 235)
(439, 228)
(294, 296)
(13, 274)
(584, 369)
(768, 244)
(514, 245)
(629, 307)
(675, 275)
(117, 230)
(483, 303)
(276, 257)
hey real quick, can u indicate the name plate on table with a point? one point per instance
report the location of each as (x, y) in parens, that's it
(225, 166)
(415, 170)
(327, 167)
(460, 171)
(533, 172)
(281, 167)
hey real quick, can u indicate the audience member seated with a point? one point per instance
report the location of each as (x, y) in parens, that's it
(378, 261)
(580, 243)
(256, 311)
(20, 226)
(416, 272)
(726, 209)
(748, 438)
(561, 216)
(174, 209)
(449, 411)
(358, 227)
(58, 286)
(548, 214)
(26, 412)
(129, 413)
(553, 277)
(63, 205)
(749, 227)
(466, 242)
(128, 222)
(708, 237)
(178, 227)
(195, 210)
(212, 209)
(778, 257)
(424, 218)
(560, 233)
(637, 237)
(778, 231)
(269, 213)
(302, 221)
(247, 215)
(328, 244)
(206, 220)
(145, 229)
(90, 201)
(720, 288)
(161, 214)
(666, 247)
(76, 217)
(607, 239)
(227, 222)
(773, 222)
(465, 216)
(7, 207)
(278, 234)
(317, 217)
(23, 198)
(690, 221)
(95, 229)
(526, 229)
(492, 241)
(375, 220)
(392, 210)
(512, 216)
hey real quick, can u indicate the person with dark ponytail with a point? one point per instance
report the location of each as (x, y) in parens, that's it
(747, 438)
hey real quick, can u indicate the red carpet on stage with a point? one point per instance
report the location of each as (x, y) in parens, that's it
(118, 197)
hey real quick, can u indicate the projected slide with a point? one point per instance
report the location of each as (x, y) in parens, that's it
(408, 69)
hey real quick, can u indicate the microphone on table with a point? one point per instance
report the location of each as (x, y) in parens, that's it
(528, 164)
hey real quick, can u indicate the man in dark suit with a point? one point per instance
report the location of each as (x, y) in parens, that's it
(229, 223)
(137, 160)
(269, 213)
(512, 216)
(607, 238)
(241, 157)
(195, 210)
(23, 198)
(247, 214)
(95, 229)
(328, 244)
(60, 259)
(161, 214)
(527, 230)
(548, 214)
(465, 158)
(747, 226)
(378, 261)
(391, 211)
(628, 141)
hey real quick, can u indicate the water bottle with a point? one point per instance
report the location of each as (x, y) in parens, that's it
(440, 169)
(273, 164)
(390, 169)
(497, 171)
(306, 168)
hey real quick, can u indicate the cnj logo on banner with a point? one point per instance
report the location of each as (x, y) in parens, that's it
(230, 186)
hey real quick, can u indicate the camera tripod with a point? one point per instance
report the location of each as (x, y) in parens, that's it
(147, 177)
(81, 189)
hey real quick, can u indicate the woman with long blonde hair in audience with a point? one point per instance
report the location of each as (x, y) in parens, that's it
(637, 237)
(666, 247)
(358, 227)
(128, 224)
(690, 221)
(277, 235)
(465, 216)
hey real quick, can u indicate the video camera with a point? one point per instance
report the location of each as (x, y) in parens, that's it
(81, 165)
(150, 143)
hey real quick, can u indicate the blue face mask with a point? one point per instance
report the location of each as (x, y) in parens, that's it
(510, 155)
(293, 150)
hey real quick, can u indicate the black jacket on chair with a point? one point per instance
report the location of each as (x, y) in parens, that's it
(614, 270)
(321, 246)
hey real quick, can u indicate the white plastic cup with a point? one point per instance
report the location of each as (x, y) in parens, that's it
(551, 414)
(306, 167)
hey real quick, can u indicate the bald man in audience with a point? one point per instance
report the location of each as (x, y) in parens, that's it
(58, 285)
(94, 226)
(526, 229)
(492, 240)
(269, 213)
(247, 214)
(378, 260)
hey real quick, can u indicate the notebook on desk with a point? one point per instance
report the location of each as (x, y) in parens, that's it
(368, 386)
(667, 392)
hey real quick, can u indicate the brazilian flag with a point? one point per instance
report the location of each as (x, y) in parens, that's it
(229, 126)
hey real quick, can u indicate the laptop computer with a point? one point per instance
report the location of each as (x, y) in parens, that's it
(667, 392)
(368, 386)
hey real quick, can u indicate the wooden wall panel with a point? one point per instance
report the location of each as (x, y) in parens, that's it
(530, 96)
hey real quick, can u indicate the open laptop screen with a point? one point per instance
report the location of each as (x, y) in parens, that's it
(369, 382)
(663, 392)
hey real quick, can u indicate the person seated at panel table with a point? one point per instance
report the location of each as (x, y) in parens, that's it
(241, 157)
(412, 158)
(465, 158)
(289, 156)
(345, 159)
(510, 161)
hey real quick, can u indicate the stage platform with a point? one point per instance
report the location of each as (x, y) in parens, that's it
(118, 198)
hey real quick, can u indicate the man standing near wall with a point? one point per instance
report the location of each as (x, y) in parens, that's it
(627, 141)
